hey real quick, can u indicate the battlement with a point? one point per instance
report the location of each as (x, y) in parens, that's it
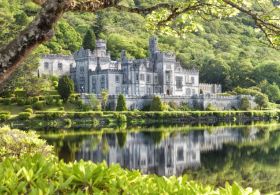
(57, 56)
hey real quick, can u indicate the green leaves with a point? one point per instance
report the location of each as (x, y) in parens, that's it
(38, 175)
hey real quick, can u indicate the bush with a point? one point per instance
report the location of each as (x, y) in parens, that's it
(61, 108)
(26, 143)
(4, 117)
(156, 104)
(120, 118)
(7, 101)
(50, 115)
(49, 176)
(29, 110)
(35, 100)
(121, 104)
(24, 115)
(20, 101)
(39, 105)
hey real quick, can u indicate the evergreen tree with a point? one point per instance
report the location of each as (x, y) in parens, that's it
(65, 87)
(156, 104)
(121, 104)
(89, 40)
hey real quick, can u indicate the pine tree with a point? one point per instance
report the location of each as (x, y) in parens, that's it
(156, 105)
(121, 104)
(89, 40)
(65, 87)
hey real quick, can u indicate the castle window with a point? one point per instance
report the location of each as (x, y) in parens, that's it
(180, 154)
(137, 77)
(118, 90)
(192, 80)
(188, 91)
(117, 78)
(103, 82)
(46, 65)
(179, 81)
(168, 76)
(148, 78)
(60, 66)
(156, 79)
(142, 77)
(82, 69)
(193, 91)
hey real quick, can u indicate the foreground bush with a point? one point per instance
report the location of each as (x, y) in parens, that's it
(16, 143)
(38, 175)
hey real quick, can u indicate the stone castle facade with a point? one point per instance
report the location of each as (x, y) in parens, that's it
(138, 79)
(94, 71)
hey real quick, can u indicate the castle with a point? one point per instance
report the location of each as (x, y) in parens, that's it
(138, 79)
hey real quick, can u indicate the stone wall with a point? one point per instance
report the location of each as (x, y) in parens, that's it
(202, 101)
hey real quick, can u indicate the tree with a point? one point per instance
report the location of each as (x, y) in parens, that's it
(104, 98)
(271, 90)
(89, 40)
(156, 104)
(94, 103)
(261, 100)
(245, 104)
(65, 87)
(121, 104)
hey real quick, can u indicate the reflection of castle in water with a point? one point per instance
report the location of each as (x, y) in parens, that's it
(169, 157)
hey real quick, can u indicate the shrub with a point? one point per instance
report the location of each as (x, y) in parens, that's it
(39, 105)
(61, 108)
(49, 100)
(26, 143)
(4, 117)
(24, 115)
(35, 99)
(121, 104)
(210, 107)
(29, 110)
(156, 104)
(120, 118)
(20, 101)
(7, 101)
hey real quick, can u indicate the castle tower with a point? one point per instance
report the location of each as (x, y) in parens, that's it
(153, 45)
(100, 48)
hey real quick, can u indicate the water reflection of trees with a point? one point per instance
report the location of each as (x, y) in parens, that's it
(250, 164)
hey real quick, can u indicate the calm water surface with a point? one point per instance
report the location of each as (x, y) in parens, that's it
(249, 155)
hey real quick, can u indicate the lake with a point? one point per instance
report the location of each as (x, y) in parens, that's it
(249, 155)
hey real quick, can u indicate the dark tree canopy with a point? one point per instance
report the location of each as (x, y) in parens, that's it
(65, 87)
(89, 40)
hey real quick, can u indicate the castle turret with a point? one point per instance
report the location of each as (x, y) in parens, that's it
(100, 48)
(153, 45)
